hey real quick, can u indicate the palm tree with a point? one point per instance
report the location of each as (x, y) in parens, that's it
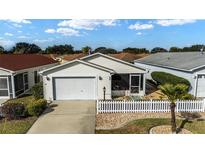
(86, 49)
(174, 92)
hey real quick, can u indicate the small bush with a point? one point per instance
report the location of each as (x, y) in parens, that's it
(188, 97)
(163, 78)
(13, 110)
(35, 108)
(37, 91)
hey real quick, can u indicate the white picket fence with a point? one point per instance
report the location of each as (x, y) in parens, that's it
(114, 106)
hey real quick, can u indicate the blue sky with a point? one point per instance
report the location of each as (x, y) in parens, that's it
(112, 33)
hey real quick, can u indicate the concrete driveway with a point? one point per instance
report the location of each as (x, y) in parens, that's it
(66, 117)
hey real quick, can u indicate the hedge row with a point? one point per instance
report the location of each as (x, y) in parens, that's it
(163, 78)
(15, 110)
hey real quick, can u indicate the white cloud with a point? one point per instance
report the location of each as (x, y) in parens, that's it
(19, 31)
(20, 21)
(8, 34)
(67, 32)
(173, 22)
(50, 31)
(17, 25)
(138, 26)
(23, 37)
(139, 33)
(87, 24)
(40, 40)
(6, 43)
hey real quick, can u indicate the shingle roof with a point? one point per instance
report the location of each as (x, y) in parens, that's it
(15, 62)
(181, 60)
(128, 57)
(70, 57)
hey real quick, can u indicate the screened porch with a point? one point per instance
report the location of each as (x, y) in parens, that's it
(128, 85)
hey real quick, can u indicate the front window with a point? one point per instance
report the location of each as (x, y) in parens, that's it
(3, 87)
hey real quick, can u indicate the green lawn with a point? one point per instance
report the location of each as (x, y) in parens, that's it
(142, 126)
(16, 126)
(20, 126)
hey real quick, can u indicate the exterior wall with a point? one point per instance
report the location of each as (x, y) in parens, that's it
(30, 71)
(186, 75)
(103, 79)
(118, 67)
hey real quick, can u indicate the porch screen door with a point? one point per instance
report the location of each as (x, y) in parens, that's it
(134, 83)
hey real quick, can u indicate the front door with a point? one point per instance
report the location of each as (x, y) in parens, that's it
(134, 84)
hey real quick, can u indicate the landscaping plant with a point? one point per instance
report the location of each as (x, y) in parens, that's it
(162, 78)
(173, 93)
(13, 110)
(37, 91)
(36, 107)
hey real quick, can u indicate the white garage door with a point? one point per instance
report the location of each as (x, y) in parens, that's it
(75, 88)
(201, 86)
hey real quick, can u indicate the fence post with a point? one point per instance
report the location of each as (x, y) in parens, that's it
(177, 105)
(97, 106)
(204, 105)
(124, 106)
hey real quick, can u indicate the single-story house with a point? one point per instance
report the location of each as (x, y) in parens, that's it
(96, 76)
(19, 72)
(189, 65)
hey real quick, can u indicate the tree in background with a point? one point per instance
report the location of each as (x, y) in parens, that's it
(2, 50)
(60, 49)
(158, 49)
(174, 92)
(196, 47)
(86, 49)
(136, 50)
(175, 49)
(105, 50)
(25, 48)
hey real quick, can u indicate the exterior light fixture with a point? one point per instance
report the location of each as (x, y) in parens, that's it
(47, 78)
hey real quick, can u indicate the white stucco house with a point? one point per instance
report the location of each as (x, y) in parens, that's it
(92, 77)
(20, 72)
(189, 65)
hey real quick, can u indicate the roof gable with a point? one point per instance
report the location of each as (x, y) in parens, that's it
(74, 62)
(93, 56)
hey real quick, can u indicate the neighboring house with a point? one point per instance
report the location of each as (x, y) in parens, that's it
(95, 76)
(128, 57)
(189, 65)
(19, 72)
(125, 56)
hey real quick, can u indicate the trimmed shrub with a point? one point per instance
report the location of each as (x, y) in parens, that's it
(37, 91)
(163, 78)
(35, 108)
(188, 97)
(13, 110)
